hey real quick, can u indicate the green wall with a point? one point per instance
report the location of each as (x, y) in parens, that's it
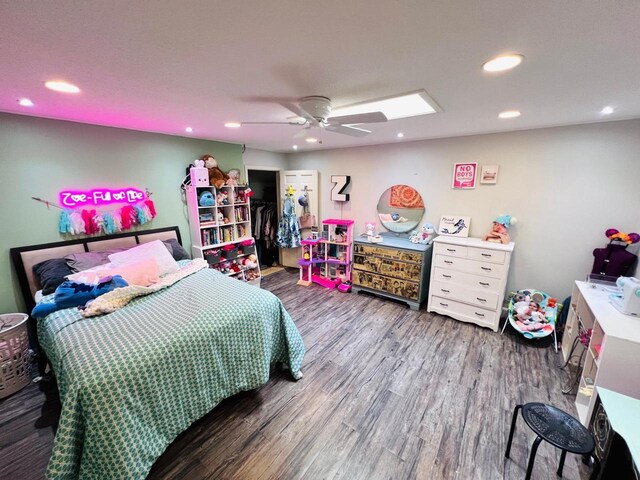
(40, 157)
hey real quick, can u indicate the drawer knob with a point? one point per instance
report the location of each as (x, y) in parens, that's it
(486, 254)
(486, 269)
(479, 314)
(481, 299)
(446, 276)
(443, 290)
(484, 284)
(444, 304)
(451, 249)
(448, 262)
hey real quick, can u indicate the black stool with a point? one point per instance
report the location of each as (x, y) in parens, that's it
(559, 429)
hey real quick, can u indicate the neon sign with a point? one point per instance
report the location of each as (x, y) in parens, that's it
(100, 196)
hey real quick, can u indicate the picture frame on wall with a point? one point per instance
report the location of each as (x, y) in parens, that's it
(464, 175)
(489, 174)
(454, 226)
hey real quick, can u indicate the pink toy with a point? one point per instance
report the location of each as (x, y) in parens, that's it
(498, 232)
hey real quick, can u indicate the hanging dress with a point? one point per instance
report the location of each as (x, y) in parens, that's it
(289, 228)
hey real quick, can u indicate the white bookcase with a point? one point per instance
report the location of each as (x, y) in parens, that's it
(214, 227)
(612, 359)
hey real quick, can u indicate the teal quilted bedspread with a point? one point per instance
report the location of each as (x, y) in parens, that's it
(132, 380)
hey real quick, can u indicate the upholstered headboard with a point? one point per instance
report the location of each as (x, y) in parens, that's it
(24, 258)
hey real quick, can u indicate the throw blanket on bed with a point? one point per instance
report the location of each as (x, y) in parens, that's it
(118, 298)
(132, 380)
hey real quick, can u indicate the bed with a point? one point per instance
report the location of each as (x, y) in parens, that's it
(132, 380)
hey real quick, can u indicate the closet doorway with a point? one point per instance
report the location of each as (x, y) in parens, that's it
(265, 212)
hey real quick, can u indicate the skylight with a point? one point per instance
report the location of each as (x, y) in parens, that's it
(402, 106)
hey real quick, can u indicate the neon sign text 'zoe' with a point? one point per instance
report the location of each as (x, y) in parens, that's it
(101, 196)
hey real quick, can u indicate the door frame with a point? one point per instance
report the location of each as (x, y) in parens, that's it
(277, 171)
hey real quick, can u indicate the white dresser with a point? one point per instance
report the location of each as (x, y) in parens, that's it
(468, 279)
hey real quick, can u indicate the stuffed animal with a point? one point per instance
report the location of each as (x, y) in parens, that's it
(425, 236)
(206, 199)
(222, 198)
(73, 294)
(251, 261)
(234, 177)
(498, 233)
(220, 217)
(217, 177)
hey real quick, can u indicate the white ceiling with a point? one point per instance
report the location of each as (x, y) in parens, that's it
(163, 65)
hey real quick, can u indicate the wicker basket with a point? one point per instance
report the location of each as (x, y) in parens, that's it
(15, 357)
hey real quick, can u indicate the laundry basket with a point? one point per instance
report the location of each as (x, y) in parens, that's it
(15, 357)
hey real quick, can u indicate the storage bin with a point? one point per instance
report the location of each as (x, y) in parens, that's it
(212, 256)
(15, 356)
(229, 253)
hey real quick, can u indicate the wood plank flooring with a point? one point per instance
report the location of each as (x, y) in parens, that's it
(387, 393)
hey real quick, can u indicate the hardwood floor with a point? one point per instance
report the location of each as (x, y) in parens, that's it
(387, 393)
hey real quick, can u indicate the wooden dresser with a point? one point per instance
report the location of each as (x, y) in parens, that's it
(468, 279)
(395, 268)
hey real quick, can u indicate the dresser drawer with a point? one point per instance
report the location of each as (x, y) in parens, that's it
(388, 253)
(464, 312)
(400, 288)
(486, 255)
(456, 291)
(392, 268)
(451, 250)
(470, 266)
(482, 283)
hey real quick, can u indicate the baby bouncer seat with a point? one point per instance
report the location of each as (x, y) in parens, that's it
(533, 314)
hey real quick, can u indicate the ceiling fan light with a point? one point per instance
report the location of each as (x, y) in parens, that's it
(233, 124)
(311, 140)
(61, 86)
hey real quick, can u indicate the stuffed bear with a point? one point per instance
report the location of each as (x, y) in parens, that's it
(217, 177)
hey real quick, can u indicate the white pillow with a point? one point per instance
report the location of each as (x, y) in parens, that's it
(154, 250)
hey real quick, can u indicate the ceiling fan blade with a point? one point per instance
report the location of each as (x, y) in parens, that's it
(351, 131)
(274, 123)
(293, 107)
(371, 117)
(301, 134)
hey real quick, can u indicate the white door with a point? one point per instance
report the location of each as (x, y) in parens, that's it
(299, 179)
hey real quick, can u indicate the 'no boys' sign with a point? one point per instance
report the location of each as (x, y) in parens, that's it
(464, 175)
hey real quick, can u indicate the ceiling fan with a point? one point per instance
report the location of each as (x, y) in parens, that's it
(315, 112)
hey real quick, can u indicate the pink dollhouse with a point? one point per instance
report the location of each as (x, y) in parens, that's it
(326, 260)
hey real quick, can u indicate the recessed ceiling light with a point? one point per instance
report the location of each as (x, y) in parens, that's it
(608, 110)
(233, 124)
(295, 147)
(25, 102)
(400, 135)
(509, 114)
(503, 62)
(311, 140)
(400, 106)
(60, 86)
(188, 129)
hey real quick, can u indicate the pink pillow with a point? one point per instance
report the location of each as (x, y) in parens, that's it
(142, 273)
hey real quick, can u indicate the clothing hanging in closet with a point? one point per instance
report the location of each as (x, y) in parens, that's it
(264, 226)
(289, 229)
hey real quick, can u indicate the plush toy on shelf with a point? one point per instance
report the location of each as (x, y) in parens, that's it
(425, 236)
(234, 177)
(251, 261)
(217, 177)
(220, 217)
(498, 233)
(206, 199)
(222, 198)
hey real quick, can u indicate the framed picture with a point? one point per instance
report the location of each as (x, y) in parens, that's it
(464, 175)
(489, 174)
(454, 226)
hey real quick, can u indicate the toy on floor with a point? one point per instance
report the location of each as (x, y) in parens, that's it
(73, 294)
(498, 233)
(425, 236)
(533, 313)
